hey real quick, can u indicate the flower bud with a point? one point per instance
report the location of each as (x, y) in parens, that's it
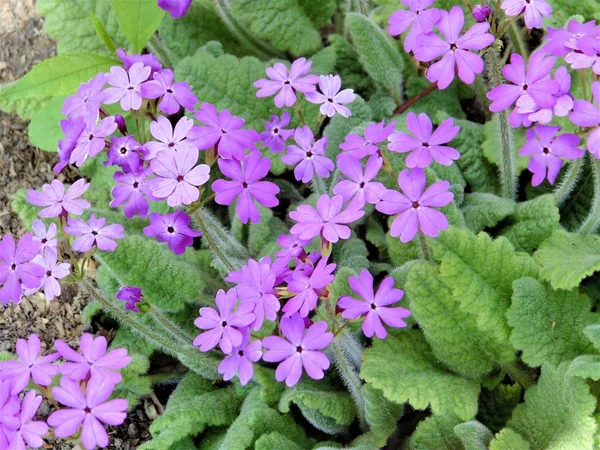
(120, 121)
(481, 13)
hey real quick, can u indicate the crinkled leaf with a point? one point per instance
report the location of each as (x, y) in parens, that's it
(351, 253)
(381, 414)
(25, 210)
(484, 210)
(318, 11)
(508, 439)
(496, 405)
(474, 435)
(436, 432)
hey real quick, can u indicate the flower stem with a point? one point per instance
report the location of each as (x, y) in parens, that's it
(517, 40)
(411, 101)
(318, 186)
(211, 242)
(569, 181)
(298, 108)
(593, 219)
(171, 327)
(424, 250)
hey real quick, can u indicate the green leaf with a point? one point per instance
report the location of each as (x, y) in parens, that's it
(436, 432)
(378, 56)
(318, 11)
(381, 414)
(25, 210)
(351, 253)
(103, 34)
(547, 324)
(496, 405)
(135, 383)
(281, 22)
(586, 366)
(508, 439)
(276, 441)
(474, 435)
(484, 210)
(138, 19)
(44, 129)
(567, 258)
(593, 334)
(417, 377)
(564, 9)
(400, 252)
(350, 69)
(556, 414)
(452, 174)
(492, 144)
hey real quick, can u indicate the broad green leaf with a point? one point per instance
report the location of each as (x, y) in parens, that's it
(276, 440)
(381, 414)
(138, 19)
(586, 366)
(593, 334)
(44, 129)
(508, 439)
(351, 253)
(567, 258)
(557, 412)
(417, 377)
(318, 11)
(103, 34)
(349, 67)
(25, 210)
(496, 405)
(484, 210)
(436, 432)
(400, 252)
(135, 383)
(474, 435)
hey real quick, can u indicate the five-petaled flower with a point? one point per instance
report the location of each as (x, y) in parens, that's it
(535, 11)
(173, 95)
(241, 359)
(56, 201)
(285, 83)
(126, 85)
(358, 182)
(174, 229)
(94, 232)
(17, 271)
(359, 147)
(331, 99)
(309, 156)
(308, 284)
(419, 16)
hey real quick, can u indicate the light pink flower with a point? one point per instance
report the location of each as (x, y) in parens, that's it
(94, 233)
(331, 99)
(58, 202)
(126, 85)
(287, 83)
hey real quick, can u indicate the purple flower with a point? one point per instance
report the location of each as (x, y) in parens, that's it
(29, 365)
(177, 8)
(126, 85)
(16, 270)
(173, 95)
(359, 183)
(133, 190)
(455, 49)
(241, 359)
(223, 326)
(222, 131)
(287, 84)
(299, 349)
(291, 246)
(548, 153)
(88, 100)
(534, 11)
(90, 409)
(94, 233)
(91, 141)
(415, 206)
(586, 53)
(45, 237)
(28, 432)
(177, 176)
(562, 41)
(425, 146)
(169, 139)
(148, 60)
(308, 283)
(308, 155)
(585, 114)
(173, 228)
(245, 186)
(131, 295)
(124, 152)
(563, 101)
(359, 147)
(330, 98)
(93, 361)
(53, 271)
(57, 202)
(275, 134)
(421, 19)
(9, 411)
(72, 129)
(375, 306)
(481, 13)
(327, 220)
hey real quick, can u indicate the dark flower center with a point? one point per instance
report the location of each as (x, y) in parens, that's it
(171, 144)
(287, 82)
(299, 349)
(546, 150)
(309, 154)
(373, 306)
(48, 273)
(223, 130)
(169, 91)
(180, 178)
(415, 204)
(525, 87)
(123, 150)
(224, 323)
(87, 410)
(171, 230)
(135, 184)
(91, 137)
(362, 184)
(13, 267)
(426, 144)
(130, 88)
(245, 185)
(95, 233)
(241, 352)
(44, 240)
(275, 130)
(453, 47)
(330, 100)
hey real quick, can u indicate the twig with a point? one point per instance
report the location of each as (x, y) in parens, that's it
(411, 101)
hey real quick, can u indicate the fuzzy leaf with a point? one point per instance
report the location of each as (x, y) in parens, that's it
(44, 129)
(492, 144)
(474, 435)
(508, 439)
(25, 210)
(496, 405)
(135, 383)
(381, 414)
(436, 432)
(318, 11)
(401, 253)
(348, 66)
(138, 19)
(276, 441)
(351, 253)
(564, 9)
(483, 210)
(586, 366)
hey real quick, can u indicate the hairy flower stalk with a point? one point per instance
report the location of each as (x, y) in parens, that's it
(569, 181)
(592, 221)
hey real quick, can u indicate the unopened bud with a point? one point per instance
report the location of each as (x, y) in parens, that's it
(120, 121)
(481, 13)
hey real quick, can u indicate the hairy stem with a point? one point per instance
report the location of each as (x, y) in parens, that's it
(569, 181)
(179, 334)
(592, 221)
(424, 250)
(211, 241)
(318, 185)
(517, 40)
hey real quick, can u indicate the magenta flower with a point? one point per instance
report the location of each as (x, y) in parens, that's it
(133, 190)
(425, 146)
(223, 326)
(94, 233)
(148, 60)
(131, 295)
(45, 236)
(88, 100)
(275, 134)
(222, 131)
(534, 11)
(173, 95)
(561, 41)
(331, 99)
(287, 84)
(28, 432)
(563, 101)
(53, 271)
(29, 365)
(327, 220)
(93, 361)
(92, 140)
(585, 114)
(126, 85)
(375, 306)
(548, 153)
(418, 16)
(178, 176)
(359, 147)
(291, 246)
(90, 409)
(169, 139)
(308, 155)
(245, 185)
(481, 13)
(124, 152)
(177, 8)
(16, 269)
(174, 229)
(359, 182)
(9, 411)
(57, 202)
(308, 284)
(299, 349)
(72, 129)
(455, 49)
(240, 361)
(415, 206)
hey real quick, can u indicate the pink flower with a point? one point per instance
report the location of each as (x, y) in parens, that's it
(245, 186)
(177, 8)
(586, 53)
(308, 283)
(169, 139)
(375, 306)
(94, 233)
(275, 134)
(147, 59)
(174, 229)
(173, 95)
(455, 49)
(53, 271)
(563, 101)
(425, 146)
(29, 365)
(287, 84)
(359, 182)
(561, 41)
(308, 155)
(241, 359)
(534, 11)
(330, 98)
(481, 13)
(133, 190)
(124, 152)
(28, 432)
(88, 100)
(415, 206)
(299, 349)
(90, 409)
(327, 220)
(585, 114)
(126, 85)
(223, 326)
(131, 295)
(92, 140)
(72, 129)
(422, 20)
(16, 269)
(291, 246)
(45, 237)
(58, 202)
(359, 147)
(93, 361)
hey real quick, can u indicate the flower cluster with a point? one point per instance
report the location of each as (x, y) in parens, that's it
(88, 378)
